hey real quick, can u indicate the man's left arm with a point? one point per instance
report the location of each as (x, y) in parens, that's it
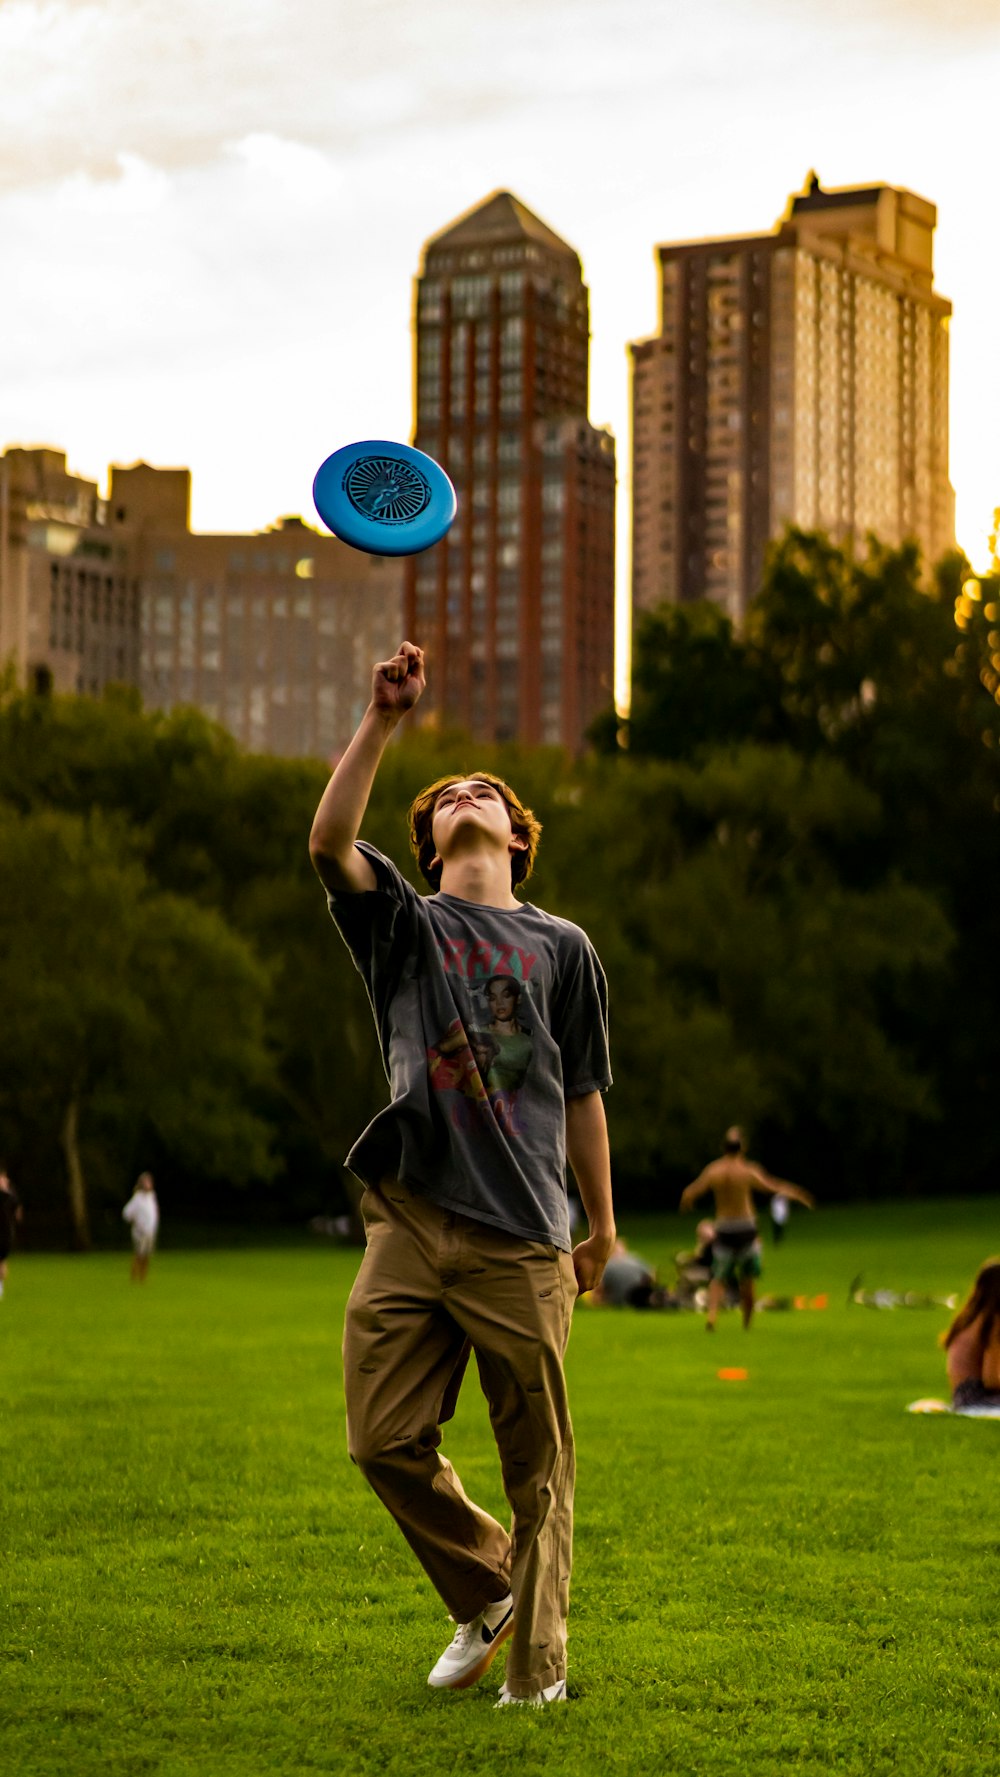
(590, 1157)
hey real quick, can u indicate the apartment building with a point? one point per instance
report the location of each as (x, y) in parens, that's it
(272, 634)
(797, 377)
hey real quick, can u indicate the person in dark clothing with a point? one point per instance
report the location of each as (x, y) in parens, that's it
(10, 1215)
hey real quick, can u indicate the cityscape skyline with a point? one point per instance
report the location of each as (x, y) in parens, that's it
(798, 376)
(212, 222)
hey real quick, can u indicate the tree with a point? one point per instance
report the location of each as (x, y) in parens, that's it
(792, 905)
(748, 983)
(865, 660)
(130, 1013)
(693, 686)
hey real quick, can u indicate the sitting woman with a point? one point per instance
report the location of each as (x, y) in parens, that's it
(972, 1343)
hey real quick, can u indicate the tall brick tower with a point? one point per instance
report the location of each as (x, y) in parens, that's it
(516, 607)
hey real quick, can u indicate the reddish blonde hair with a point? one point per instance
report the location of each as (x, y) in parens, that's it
(522, 822)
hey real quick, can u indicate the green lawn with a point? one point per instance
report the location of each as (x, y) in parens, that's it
(787, 1574)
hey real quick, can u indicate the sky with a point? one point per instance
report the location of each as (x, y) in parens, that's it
(211, 215)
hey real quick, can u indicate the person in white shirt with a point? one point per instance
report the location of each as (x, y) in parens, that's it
(780, 1211)
(142, 1212)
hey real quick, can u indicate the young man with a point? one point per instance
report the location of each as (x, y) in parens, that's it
(465, 1197)
(733, 1179)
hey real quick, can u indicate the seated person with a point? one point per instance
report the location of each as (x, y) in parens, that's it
(694, 1267)
(972, 1343)
(628, 1281)
(702, 1256)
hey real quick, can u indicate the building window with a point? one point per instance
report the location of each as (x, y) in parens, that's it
(512, 342)
(430, 353)
(510, 396)
(470, 297)
(511, 289)
(430, 303)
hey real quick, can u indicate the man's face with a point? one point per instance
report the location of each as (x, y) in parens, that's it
(471, 802)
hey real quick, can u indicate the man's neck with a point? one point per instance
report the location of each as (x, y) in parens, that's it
(485, 881)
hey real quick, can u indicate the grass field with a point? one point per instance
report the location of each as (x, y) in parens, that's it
(787, 1574)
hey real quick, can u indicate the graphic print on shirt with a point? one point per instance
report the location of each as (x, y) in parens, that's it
(484, 1057)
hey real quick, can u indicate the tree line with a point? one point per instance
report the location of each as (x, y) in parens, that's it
(786, 858)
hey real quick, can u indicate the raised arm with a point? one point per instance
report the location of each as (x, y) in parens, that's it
(396, 687)
(589, 1156)
(781, 1187)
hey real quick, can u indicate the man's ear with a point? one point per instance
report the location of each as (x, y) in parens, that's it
(435, 863)
(518, 842)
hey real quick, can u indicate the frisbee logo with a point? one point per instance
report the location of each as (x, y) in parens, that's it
(386, 490)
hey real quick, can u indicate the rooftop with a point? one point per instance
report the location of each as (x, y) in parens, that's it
(499, 218)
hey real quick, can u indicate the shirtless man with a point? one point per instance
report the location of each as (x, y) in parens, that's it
(733, 1179)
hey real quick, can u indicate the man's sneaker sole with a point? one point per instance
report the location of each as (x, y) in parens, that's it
(475, 1673)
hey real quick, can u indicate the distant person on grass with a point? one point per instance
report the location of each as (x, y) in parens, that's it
(465, 1202)
(780, 1212)
(142, 1212)
(733, 1179)
(972, 1343)
(628, 1281)
(10, 1215)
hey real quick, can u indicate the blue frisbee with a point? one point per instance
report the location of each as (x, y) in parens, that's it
(384, 498)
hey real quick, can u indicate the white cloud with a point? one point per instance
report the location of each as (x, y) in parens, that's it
(173, 82)
(211, 215)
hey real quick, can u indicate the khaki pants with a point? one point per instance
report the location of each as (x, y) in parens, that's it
(432, 1286)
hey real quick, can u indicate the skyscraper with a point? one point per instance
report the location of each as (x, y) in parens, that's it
(798, 377)
(516, 606)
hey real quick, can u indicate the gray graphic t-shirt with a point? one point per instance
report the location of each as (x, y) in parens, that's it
(488, 1020)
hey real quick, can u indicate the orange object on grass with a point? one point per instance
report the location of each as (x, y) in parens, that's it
(733, 1375)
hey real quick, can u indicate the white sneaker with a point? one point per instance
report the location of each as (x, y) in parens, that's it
(474, 1647)
(553, 1693)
